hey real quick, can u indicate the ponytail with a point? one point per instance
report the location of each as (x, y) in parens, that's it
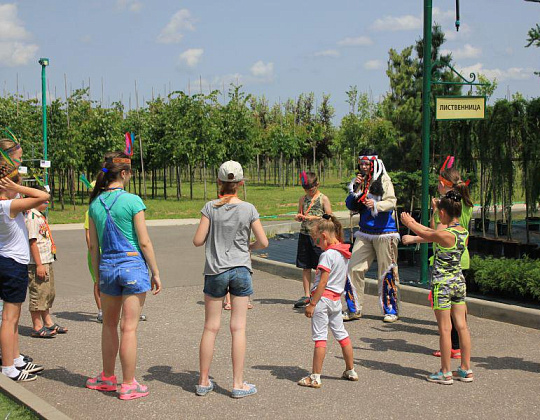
(453, 176)
(228, 189)
(330, 224)
(114, 163)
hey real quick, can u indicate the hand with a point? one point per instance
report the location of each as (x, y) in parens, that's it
(309, 310)
(408, 239)
(369, 203)
(299, 217)
(7, 184)
(406, 219)
(435, 204)
(156, 284)
(359, 179)
(41, 272)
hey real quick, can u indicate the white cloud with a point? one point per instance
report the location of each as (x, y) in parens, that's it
(452, 35)
(373, 65)
(439, 16)
(191, 57)
(172, 33)
(359, 41)
(397, 23)
(15, 50)
(263, 71)
(131, 5)
(86, 39)
(512, 73)
(468, 51)
(327, 53)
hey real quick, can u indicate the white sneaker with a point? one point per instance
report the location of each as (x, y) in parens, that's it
(390, 318)
(350, 375)
(348, 316)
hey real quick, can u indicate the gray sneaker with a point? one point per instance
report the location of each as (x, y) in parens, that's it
(99, 317)
(347, 316)
(202, 390)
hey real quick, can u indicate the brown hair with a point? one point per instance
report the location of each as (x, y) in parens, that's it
(227, 188)
(458, 185)
(451, 204)
(330, 224)
(113, 165)
(6, 144)
(312, 180)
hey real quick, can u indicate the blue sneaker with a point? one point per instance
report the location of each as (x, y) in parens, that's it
(441, 378)
(463, 375)
(202, 390)
(241, 393)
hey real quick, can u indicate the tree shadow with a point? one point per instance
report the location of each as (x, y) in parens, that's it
(186, 380)
(401, 327)
(395, 344)
(416, 321)
(275, 301)
(506, 363)
(393, 368)
(290, 373)
(76, 316)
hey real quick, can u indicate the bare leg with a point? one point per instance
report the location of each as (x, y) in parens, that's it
(238, 332)
(318, 359)
(212, 322)
(348, 356)
(306, 280)
(131, 310)
(9, 336)
(97, 297)
(445, 342)
(109, 332)
(36, 319)
(47, 320)
(459, 313)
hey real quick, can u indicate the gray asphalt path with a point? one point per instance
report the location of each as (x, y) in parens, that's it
(391, 360)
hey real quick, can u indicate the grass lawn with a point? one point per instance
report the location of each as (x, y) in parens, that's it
(11, 410)
(269, 200)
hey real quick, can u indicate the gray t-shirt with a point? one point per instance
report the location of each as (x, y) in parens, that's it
(227, 244)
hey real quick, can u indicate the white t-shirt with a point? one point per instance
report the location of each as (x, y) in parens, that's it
(336, 264)
(13, 235)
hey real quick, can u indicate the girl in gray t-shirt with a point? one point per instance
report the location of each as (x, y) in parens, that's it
(225, 230)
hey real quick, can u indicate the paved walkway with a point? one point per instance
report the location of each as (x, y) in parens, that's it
(391, 360)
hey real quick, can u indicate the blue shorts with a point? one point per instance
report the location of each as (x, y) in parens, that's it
(13, 280)
(123, 275)
(236, 281)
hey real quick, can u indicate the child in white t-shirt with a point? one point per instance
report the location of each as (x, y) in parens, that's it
(324, 308)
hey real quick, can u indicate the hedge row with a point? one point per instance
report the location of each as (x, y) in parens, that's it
(506, 276)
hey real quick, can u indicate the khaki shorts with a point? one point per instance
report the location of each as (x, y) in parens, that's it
(41, 292)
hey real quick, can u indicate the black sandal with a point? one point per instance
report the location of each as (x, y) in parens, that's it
(43, 332)
(57, 328)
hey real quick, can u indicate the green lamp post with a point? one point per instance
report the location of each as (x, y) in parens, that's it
(44, 63)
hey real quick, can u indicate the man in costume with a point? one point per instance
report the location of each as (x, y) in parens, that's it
(371, 194)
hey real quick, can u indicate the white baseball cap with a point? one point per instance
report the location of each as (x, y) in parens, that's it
(230, 171)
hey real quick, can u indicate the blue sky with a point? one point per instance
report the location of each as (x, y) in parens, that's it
(278, 48)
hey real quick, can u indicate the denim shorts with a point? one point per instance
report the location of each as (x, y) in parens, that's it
(236, 281)
(123, 275)
(13, 280)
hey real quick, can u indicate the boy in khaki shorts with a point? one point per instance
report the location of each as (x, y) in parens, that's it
(40, 272)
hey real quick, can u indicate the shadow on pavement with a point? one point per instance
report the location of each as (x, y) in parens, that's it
(402, 327)
(415, 321)
(510, 363)
(395, 344)
(290, 373)
(393, 368)
(77, 316)
(275, 301)
(69, 378)
(185, 380)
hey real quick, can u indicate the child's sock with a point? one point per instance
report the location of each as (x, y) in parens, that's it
(19, 361)
(10, 371)
(316, 377)
(100, 312)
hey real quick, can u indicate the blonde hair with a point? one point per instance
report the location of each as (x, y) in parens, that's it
(229, 189)
(330, 224)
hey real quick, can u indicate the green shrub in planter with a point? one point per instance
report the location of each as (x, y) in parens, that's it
(507, 276)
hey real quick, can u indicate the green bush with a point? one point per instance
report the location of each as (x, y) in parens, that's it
(515, 277)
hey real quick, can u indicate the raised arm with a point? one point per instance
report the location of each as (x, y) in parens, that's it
(34, 198)
(442, 237)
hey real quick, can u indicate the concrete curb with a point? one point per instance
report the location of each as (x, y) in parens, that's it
(502, 312)
(39, 407)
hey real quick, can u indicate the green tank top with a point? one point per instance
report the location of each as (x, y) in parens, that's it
(447, 261)
(315, 209)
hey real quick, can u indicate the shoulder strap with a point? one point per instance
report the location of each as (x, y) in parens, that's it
(108, 208)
